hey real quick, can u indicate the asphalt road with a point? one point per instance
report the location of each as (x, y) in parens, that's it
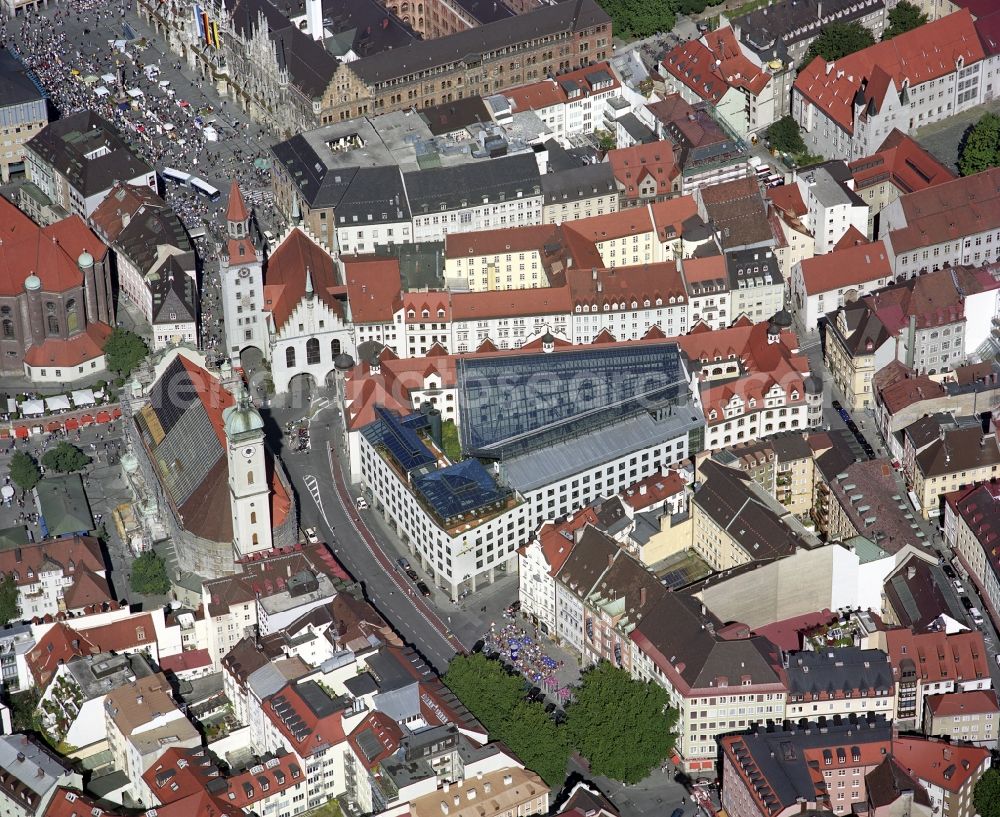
(321, 506)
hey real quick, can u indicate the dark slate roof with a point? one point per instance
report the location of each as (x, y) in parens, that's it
(840, 456)
(148, 229)
(310, 66)
(592, 555)
(962, 449)
(64, 143)
(362, 25)
(455, 115)
(468, 184)
(887, 782)
(916, 597)
(839, 670)
(579, 182)
(793, 20)
(17, 83)
(863, 328)
(732, 501)
(318, 185)
(173, 290)
(748, 264)
(486, 11)
(375, 195)
(637, 129)
(423, 55)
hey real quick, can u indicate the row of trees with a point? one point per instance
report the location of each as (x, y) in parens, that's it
(622, 726)
(64, 458)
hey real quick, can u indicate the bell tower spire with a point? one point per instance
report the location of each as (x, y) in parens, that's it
(237, 215)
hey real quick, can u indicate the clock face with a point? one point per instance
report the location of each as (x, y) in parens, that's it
(244, 272)
(248, 452)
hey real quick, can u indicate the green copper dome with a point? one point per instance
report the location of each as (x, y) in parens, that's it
(242, 417)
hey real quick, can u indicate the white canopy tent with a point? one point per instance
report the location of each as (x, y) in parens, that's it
(33, 408)
(101, 91)
(83, 397)
(59, 402)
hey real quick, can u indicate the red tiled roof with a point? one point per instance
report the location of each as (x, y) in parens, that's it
(700, 270)
(939, 656)
(498, 242)
(121, 203)
(852, 238)
(903, 162)
(188, 659)
(788, 198)
(373, 288)
(512, 303)
(236, 210)
(434, 301)
(652, 489)
(550, 92)
(386, 733)
(946, 765)
(122, 635)
(949, 211)
(88, 589)
(897, 396)
(851, 266)
(669, 216)
(927, 52)
(712, 65)
(627, 222)
(51, 253)
(556, 539)
(314, 732)
(79, 349)
(633, 164)
(974, 702)
(621, 285)
(56, 647)
(72, 554)
(286, 277)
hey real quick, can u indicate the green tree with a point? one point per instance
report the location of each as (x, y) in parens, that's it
(24, 709)
(986, 796)
(785, 135)
(65, 458)
(149, 575)
(496, 698)
(123, 351)
(9, 608)
(980, 149)
(905, 17)
(838, 40)
(622, 726)
(639, 18)
(24, 471)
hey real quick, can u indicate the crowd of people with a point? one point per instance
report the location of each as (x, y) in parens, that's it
(521, 651)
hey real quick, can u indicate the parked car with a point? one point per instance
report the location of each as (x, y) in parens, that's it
(423, 588)
(412, 574)
(976, 616)
(311, 537)
(403, 563)
(361, 503)
(948, 571)
(958, 584)
(966, 603)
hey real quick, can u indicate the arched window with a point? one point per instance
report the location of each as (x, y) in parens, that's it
(72, 321)
(254, 540)
(249, 477)
(8, 328)
(290, 357)
(53, 325)
(334, 347)
(312, 351)
(253, 517)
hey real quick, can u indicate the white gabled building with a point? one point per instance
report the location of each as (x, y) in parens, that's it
(847, 108)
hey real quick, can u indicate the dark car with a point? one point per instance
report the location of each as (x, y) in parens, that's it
(966, 603)
(678, 812)
(412, 574)
(949, 571)
(836, 405)
(403, 563)
(423, 588)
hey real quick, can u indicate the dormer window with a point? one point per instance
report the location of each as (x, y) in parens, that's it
(795, 394)
(440, 313)
(425, 313)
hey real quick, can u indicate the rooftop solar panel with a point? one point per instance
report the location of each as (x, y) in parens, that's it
(399, 436)
(461, 488)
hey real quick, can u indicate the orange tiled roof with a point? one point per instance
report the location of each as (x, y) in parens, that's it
(86, 346)
(945, 765)
(850, 266)
(286, 277)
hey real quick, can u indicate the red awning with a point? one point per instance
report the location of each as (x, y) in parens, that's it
(21, 432)
(54, 425)
(116, 413)
(72, 424)
(86, 420)
(103, 417)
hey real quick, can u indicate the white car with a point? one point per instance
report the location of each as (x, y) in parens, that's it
(361, 503)
(311, 537)
(958, 585)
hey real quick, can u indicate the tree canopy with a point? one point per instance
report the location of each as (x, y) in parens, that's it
(149, 575)
(639, 18)
(904, 17)
(980, 149)
(838, 40)
(622, 726)
(123, 351)
(496, 698)
(986, 796)
(9, 596)
(784, 135)
(65, 458)
(24, 471)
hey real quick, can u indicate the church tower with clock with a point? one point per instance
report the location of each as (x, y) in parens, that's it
(249, 486)
(242, 276)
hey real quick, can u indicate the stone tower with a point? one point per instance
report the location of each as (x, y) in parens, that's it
(242, 276)
(249, 487)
